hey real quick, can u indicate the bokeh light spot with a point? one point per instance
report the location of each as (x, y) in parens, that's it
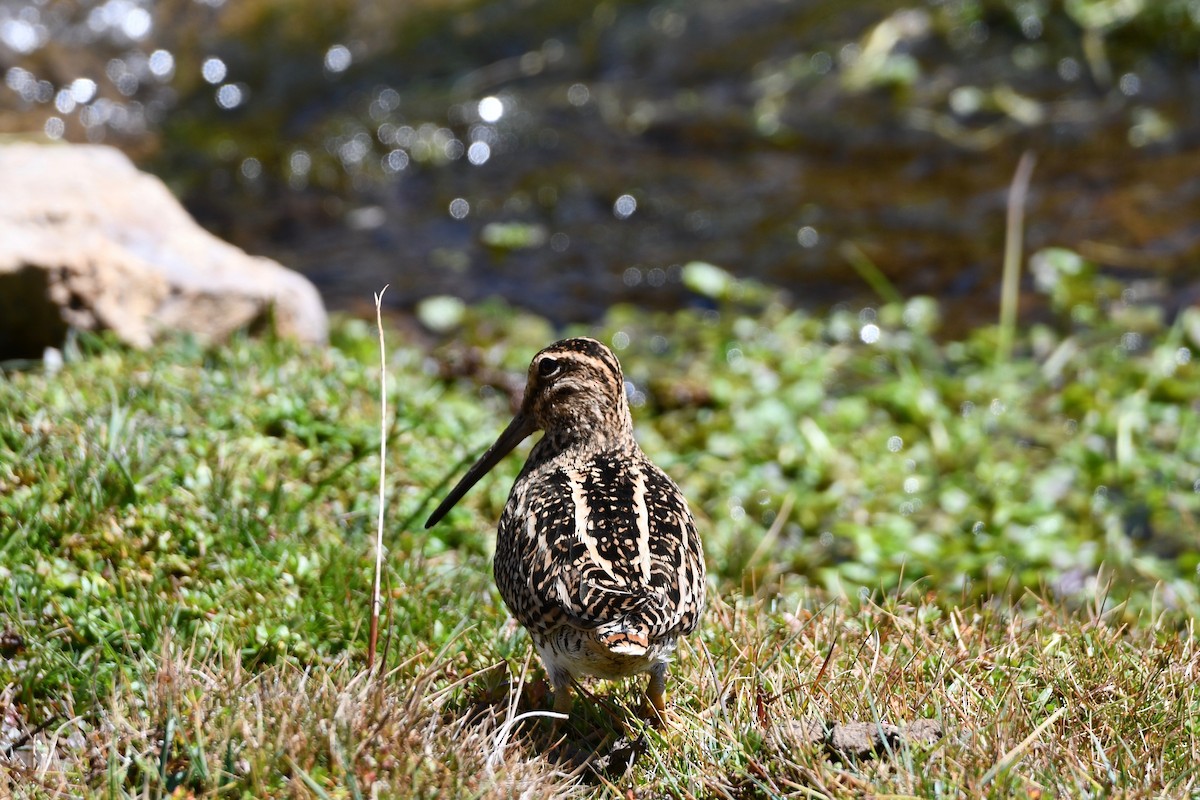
(229, 96)
(578, 94)
(478, 153)
(83, 90)
(491, 109)
(136, 24)
(213, 70)
(252, 169)
(395, 161)
(808, 236)
(338, 58)
(1130, 84)
(64, 102)
(624, 206)
(299, 162)
(161, 64)
(19, 35)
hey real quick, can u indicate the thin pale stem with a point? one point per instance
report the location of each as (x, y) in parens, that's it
(1013, 239)
(376, 597)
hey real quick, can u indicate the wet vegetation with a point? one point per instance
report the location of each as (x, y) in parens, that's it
(855, 448)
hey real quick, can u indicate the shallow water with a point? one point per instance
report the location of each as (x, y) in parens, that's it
(570, 159)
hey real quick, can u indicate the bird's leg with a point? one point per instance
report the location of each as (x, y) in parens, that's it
(656, 694)
(562, 691)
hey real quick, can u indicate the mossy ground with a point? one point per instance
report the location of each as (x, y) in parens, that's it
(897, 527)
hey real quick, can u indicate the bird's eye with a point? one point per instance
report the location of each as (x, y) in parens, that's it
(548, 367)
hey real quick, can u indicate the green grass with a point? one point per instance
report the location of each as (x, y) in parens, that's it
(895, 531)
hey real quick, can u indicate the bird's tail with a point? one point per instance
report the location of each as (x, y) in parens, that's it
(626, 642)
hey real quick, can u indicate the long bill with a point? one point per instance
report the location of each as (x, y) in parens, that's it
(521, 426)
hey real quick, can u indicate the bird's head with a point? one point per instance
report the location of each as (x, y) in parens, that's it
(575, 392)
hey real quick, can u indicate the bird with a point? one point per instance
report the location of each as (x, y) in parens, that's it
(597, 553)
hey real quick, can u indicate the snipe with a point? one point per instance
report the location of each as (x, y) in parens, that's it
(597, 554)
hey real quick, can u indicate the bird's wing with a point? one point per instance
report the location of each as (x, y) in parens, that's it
(610, 541)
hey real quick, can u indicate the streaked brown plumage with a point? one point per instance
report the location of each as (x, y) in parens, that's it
(597, 554)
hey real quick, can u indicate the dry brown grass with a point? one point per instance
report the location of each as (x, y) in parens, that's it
(1037, 700)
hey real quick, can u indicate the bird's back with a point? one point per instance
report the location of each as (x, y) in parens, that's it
(603, 543)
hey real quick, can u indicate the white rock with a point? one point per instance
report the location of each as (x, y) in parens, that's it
(88, 241)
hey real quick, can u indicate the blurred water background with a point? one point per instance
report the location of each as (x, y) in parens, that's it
(567, 157)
